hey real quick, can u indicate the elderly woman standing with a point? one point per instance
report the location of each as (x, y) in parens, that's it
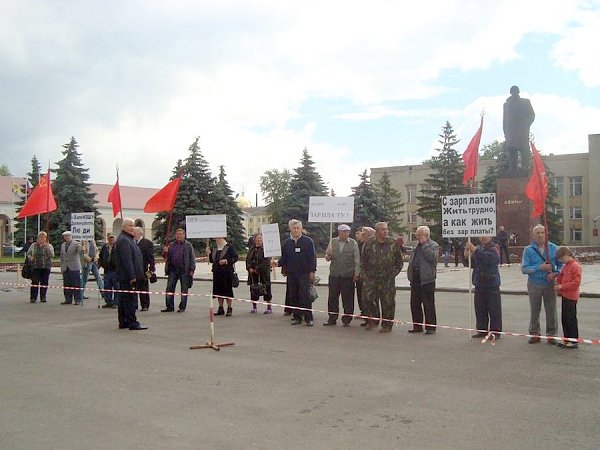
(259, 274)
(40, 255)
(223, 259)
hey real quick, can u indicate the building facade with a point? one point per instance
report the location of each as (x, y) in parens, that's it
(573, 175)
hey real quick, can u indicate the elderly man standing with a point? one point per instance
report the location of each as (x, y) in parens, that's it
(299, 263)
(128, 262)
(70, 266)
(180, 265)
(541, 266)
(147, 249)
(381, 262)
(111, 277)
(422, 272)
(344, 269)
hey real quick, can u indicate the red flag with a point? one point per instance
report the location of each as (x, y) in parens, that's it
(164, 200)
(471, 156)
(41, 199)
(537, 186)
(114, 196)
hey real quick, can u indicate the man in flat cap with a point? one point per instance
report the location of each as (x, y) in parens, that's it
(344, 268)
(70, 266)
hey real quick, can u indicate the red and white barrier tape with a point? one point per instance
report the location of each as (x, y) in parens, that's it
(491, 336)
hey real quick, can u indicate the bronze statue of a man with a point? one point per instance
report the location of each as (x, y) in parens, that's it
(517, 119)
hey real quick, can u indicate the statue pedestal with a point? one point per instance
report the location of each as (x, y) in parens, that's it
(513, 208)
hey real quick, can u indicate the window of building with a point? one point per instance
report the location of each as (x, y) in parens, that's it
(413, 235)
(412, 217)
(411, 193)
(575, 186)
(557, 182)
(559, 211)
(575, 234)
(575, 212)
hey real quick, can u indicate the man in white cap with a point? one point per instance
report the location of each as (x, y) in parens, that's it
(70, 266)
(344, 269)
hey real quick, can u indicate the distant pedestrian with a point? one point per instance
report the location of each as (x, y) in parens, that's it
(180, 265)
(259, 274)
(89, 264)
(111, 277)
(502, 238)
(567, 286)
(147, 249)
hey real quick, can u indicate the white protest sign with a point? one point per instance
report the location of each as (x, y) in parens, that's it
(207, 226)
(469, 215)
(271, 239)
(82, 226)
(331, 209)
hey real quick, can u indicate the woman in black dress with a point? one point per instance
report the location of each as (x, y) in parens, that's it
(259, 274)
(223, 259)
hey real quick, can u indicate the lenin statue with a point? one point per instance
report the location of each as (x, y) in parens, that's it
(518, 117)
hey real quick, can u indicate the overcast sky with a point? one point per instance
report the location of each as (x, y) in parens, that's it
(360, 84)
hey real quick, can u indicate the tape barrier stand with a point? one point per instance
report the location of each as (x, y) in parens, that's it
(491, 336)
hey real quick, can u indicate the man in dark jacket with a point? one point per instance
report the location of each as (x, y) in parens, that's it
(147, 249)
(180, 265)
(128, 262)
(502, 237)
(299, 263)
(486, 279)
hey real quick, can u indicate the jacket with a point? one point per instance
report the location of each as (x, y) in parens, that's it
(298, 256)
(485, 260)
(427, 262)
(40, 256)
(533, 259)
(344, 263)
(227, 253)
(107, 259)
(70, 259)
(569, 279)
(189, 258)
(256, 260)
(381, 261)
(147, 248)
(128, 259)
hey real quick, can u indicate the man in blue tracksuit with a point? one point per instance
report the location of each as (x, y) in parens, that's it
(541, 266)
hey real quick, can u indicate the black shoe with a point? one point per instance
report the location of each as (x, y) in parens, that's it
(43, 300)
(122, 327)
(364, 324)
(181, 310)
(86, 298)
(107, 305)
(220, 311)
(287, 313)
(229, 311)
(167, 310)
(478, 335)
(66, 303)
(329, 323)
(137, 327)
(416, 330)
(144, 309)
(347, 324)
(77, 303)
(430, 332)
(310, 323)
(297, 322)
(32, 300)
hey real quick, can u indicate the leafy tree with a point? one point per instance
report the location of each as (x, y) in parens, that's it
(555, 226)
(194, 196)
(71, 191)
(493, 152)
(446, 179)
(390, 202)
(226, 204)
(305, 182)
(275, 187)
(4, 170)
(32, 222)
(367, 211)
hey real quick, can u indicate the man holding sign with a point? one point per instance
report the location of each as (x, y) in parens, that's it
(299, 263)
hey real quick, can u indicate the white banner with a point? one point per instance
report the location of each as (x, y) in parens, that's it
(207, 226)
(271, 239)
(82, 226)
(331, 209)
(469, 215)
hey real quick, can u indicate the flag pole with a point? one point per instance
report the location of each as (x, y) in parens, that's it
(120, 202)
(48, 204)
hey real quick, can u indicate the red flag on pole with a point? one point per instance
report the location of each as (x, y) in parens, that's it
(537, 186)
(114, 196)
(164, 200)
(41, 200)
(471, 156)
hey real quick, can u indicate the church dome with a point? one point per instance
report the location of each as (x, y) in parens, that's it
(243, 202)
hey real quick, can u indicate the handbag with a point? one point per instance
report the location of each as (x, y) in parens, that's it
(27, 269)
(235, 280)
(312, 293)
(258, 289)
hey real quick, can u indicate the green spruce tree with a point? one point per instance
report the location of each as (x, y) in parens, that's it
(389, 200)
(226, 204)
(193, 198)
(71, 191)
(446, 179)
(367, 211)
(306, 182)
